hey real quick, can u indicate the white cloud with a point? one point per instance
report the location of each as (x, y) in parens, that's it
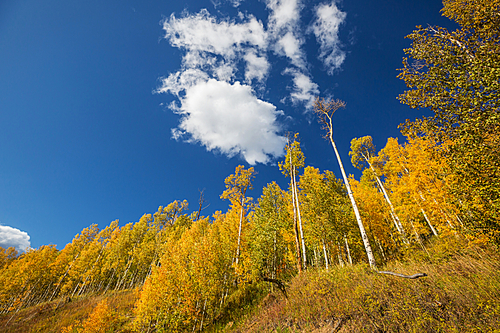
(14, 237)
(216, 113)
(178, 82)
(284, 28)
(284, 14)
(234, 3)
(219, 112)
(217, 46)
(304, 89)
(290, 46)
(229, 118)
(326, 29)
(257, 67)
(202, 32)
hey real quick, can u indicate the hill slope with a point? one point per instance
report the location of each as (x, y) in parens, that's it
(460, 294)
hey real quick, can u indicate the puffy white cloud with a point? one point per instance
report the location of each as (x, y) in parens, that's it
(220, 115)
(14, 237)
(326, 29)
(219, 112)
(202, 32)
(284, 28)
(217, 46)
(290, 46)
(178, 82)
(229, 118)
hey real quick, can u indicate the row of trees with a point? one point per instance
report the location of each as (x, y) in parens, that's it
(96, 261)
(193, 269)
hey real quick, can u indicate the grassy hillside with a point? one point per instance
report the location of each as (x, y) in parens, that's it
(460, 294)
(71, 315)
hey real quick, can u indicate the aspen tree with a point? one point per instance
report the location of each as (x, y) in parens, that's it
(456, 75)
(236, 188)
(268, 236)
(362, 151)
(325, 202)
(294, 159)
(325, 110)
(376, 217)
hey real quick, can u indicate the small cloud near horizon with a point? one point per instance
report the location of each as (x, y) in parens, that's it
(12, 237)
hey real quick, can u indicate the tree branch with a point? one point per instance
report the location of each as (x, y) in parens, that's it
(414, 276)
(279, 283)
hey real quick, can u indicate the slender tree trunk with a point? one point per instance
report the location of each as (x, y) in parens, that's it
(316, 262)
(380, 248)
(428, 222)
(239, 230)
(304, 258)
(326, 255)
(395, 217)
(295, 227)
(418, 237)
(364, 236)
(348, 250)
(110, 280)
(341, 261)
(203, 315)
(275, 259)
(425, 215)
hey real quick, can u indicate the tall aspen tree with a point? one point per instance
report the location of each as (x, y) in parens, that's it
(361, 152)
(236, 188)
(325, 110)
(294, 159)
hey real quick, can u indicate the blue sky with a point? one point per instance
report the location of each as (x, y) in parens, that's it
(109, 109)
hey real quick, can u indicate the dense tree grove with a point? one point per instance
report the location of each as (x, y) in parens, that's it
(191, 270)
(456, 74)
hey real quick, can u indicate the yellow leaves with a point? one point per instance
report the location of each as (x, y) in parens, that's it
(102, 319)
(472, 13)
(238, 183)
(294, 158)
(195, 270)
(362, 151)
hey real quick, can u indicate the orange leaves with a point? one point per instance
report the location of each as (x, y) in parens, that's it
(193, 275)
(102, 319)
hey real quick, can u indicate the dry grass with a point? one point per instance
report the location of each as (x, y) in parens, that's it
(53, 316)
(460, 294)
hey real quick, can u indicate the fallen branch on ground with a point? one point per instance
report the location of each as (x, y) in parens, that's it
(414, 276)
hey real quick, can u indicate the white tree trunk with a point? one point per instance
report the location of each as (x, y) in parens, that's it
(348, 250)
(304, 258)
(395, 217)
(341, 261)
(295, 227)
(364, 236)
(326, 256)
(428, 222)
(239, 232)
